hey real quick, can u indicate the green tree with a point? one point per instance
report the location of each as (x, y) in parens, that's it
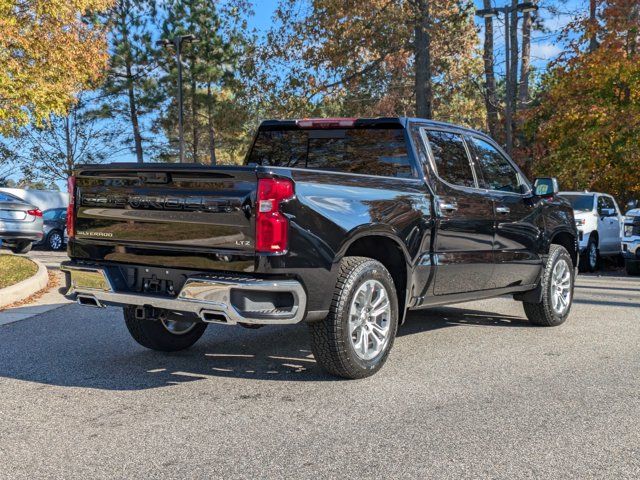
(130, 90)
(211, 84)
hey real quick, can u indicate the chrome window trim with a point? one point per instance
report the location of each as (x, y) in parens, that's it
(521, 177)
(425, 140)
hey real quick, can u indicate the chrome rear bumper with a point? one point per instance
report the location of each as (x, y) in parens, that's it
(210, 297)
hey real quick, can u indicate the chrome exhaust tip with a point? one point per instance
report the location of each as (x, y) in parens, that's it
(88, 301)
(216, 316)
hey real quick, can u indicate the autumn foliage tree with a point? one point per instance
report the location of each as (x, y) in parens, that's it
(376, 57)
(48, 52)
(588, 123)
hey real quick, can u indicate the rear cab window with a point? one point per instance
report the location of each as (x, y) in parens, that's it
(369, 151)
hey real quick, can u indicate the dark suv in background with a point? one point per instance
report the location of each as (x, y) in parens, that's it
(54, 225)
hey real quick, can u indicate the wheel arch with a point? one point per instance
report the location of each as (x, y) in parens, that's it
(568, 240)
(385, 247)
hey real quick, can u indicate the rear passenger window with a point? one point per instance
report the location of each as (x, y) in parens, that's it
(371, 151)
(496, 171)
(450, 157)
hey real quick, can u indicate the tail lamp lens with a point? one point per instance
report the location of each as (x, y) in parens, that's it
(71, 210)
(36, 212)
(272, 227)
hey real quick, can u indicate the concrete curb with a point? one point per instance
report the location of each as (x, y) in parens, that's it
(24, 289)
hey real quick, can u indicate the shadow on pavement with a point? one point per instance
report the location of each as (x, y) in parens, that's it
(80, 347)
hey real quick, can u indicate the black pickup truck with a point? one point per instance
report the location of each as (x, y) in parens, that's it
(344, 224)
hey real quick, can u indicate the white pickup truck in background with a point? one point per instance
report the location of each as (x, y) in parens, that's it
(631, 242)
(599, 222)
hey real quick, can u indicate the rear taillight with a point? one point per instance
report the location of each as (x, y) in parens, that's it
(272, 227)
(36, 212)
(71, 211)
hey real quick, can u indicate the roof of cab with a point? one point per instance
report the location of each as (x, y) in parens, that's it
(346, 122)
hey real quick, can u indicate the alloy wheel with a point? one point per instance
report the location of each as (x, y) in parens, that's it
(370, 320)
(561, 287)
(55, 241)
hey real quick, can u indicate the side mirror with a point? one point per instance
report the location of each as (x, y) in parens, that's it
(546, 186)
(607, 212)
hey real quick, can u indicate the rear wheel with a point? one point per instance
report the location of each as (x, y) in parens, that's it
(162, 334)
(355, 339)
(557, 290)
(55, 240)
(632, 267)
(22, 247)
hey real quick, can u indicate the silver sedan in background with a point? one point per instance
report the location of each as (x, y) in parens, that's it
(20, 223)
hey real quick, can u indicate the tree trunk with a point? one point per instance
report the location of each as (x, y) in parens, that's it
(593, 40)
(212, 132)
(133, 108)
(423, 90)
(512, 84)
(69, 147)
(490, 98)
(525, 66)
(133, 114)
(194, 120)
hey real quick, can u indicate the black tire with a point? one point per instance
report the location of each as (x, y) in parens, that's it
(55, 240)
(632, 267)
(22, 247)
(331, 341)
(587, 263)
(542, 313)
(153, 334)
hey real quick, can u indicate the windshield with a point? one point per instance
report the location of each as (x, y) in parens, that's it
(580, 203)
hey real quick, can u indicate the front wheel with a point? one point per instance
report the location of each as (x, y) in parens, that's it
(162, 334)
(557, 290)
(355, 339)
(591, 257)
(22, 247)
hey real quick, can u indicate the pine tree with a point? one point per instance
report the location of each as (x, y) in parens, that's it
(130, 90)
(209, 80)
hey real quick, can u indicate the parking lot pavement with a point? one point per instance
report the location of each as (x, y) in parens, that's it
(50, 259)
(469, 391)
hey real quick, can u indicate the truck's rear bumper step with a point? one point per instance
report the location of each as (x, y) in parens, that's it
(214, 299)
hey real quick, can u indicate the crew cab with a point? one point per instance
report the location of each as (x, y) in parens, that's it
(599, 223)
(344, 224)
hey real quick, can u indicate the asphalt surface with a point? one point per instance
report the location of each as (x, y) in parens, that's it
(469, 391)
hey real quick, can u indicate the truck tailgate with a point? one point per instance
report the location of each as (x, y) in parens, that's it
(169, 207)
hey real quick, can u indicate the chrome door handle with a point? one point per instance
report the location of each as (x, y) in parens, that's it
(448, 207)
(503, 209)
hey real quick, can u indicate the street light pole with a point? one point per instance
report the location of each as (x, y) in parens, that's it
(177, 43)
(510, 79)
